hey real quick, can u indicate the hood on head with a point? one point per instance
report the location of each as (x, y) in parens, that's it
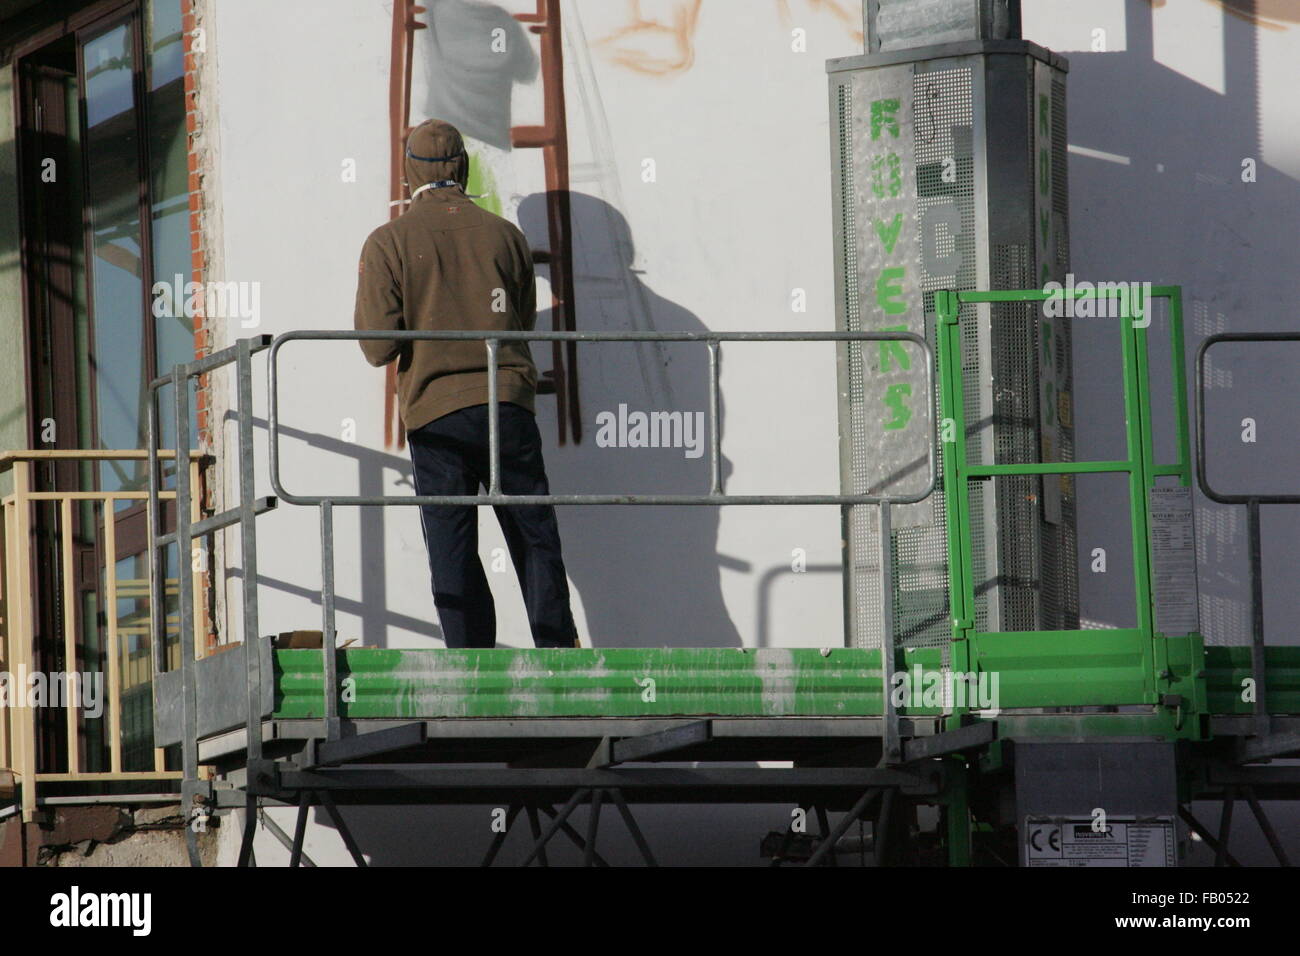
(435, 151)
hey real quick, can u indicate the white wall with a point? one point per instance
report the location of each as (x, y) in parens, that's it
(1161, 116)
(737, 218)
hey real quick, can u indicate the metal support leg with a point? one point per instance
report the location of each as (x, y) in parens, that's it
(576, 839)
(823, 829)
(300, 829)
(957, 814)
(1225, 826)
(185, 614)
(1266, 827)
(250, 828)
(828, 845)
(248, 553)
(344, 832)
(500, 838)
(1199, 829)
(285, 840)
(557, 821)
(593, 822)
(880, 829)
(626, 813)
(535, 828)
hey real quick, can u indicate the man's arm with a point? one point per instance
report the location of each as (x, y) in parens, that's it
(379, 303)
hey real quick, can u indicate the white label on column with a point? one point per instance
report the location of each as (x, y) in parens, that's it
(1074, 842)
(1173, 555)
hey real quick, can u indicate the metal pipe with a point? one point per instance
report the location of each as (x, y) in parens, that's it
(1257, 665)
(893, 751)
(715, 420)
(1201, 478)
(330, 682)
(248, 549)
(216, 360)
(185, 614)
(494, 421)
(710, 338)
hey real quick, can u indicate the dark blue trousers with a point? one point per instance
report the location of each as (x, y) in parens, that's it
(450, 457)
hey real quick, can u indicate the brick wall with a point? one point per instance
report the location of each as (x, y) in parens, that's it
(199, 159)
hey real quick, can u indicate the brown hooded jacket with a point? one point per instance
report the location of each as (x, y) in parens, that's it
(446, 264)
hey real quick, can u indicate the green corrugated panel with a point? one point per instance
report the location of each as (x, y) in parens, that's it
(382, 683)
(1227, 667)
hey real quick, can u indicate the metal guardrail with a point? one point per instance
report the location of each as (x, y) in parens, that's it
(19, 743)
(247, 509)
(715, 496)
(1252, 502)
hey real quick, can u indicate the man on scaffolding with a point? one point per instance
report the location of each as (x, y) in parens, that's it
(446, 264)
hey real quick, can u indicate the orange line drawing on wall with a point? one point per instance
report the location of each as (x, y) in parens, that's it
(655, 46)
(664, 43)
(851, 18)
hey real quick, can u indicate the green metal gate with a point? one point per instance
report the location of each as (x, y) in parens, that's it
(1104, 669)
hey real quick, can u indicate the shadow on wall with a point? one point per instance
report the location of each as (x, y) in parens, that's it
(1175, 209)
(648, 576)
(371, 605)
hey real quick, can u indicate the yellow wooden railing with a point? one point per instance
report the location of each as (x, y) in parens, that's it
(127, 673)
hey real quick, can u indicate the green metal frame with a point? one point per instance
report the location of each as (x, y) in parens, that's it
(433, 683)
(1074, 668)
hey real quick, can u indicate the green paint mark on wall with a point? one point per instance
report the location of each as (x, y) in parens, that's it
(483, 184)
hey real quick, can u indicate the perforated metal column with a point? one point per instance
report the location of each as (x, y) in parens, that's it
(940, 183)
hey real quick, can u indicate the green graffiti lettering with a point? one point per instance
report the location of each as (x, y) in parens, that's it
(889, 290)
(883, 117)
(894, 353)
(886, 176)
(894, 401)
(889, 234)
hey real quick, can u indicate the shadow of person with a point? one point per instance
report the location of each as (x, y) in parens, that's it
(647, 575)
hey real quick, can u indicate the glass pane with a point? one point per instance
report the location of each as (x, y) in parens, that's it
(169, 184)
(111, 155)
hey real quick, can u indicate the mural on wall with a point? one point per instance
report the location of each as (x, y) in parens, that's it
(471, 83)
(662, 42)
